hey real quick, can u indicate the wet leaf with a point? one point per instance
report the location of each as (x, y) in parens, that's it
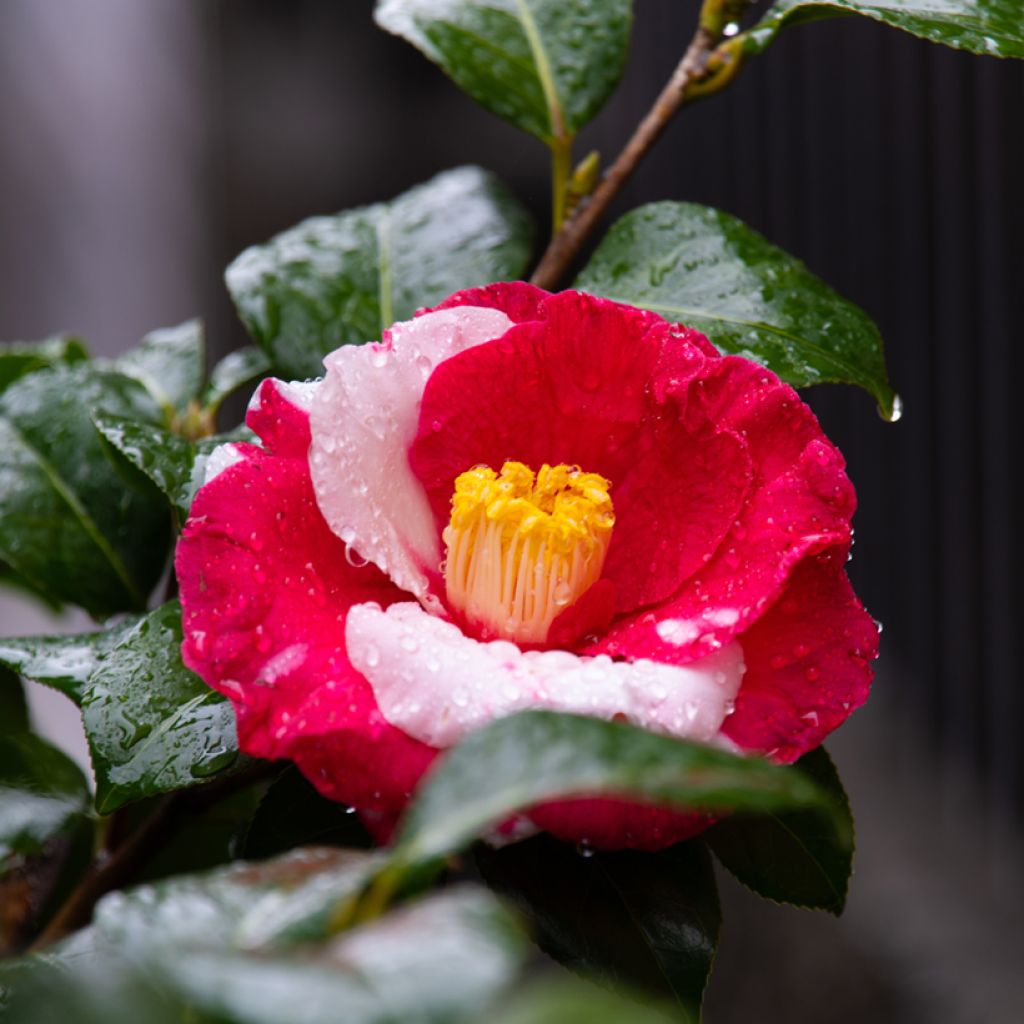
(241, 906)
(63, 662)
(175, 465)
(171, 364)
(708, 270)
(547, 66)
(153, 726)
(236, 370)
(646, 921)
(993, 27)
(343, 279)
(789, 857)
(21, 357)
(43, 794)
(536, 756)
(73, 525)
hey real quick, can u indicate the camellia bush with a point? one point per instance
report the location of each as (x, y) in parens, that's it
(511, 607)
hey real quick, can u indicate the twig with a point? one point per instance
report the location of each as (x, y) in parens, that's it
(106, 876)
(135, 850)
(705, 67)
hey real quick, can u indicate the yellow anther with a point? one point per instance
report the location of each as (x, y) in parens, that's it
(524, 546)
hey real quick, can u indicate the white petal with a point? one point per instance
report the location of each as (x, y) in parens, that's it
(223, 457)
(363, 419)
(436, 684)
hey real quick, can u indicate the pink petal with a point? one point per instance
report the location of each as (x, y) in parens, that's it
(808, 663)
(363, 419)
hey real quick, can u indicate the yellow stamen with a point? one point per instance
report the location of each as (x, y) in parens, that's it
(523, 547)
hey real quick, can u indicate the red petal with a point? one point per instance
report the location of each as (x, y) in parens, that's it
(281, 424)
(589, 385)
(265, 589)
(808, 663)
(518, 300)
(611, 824)
(802, 512)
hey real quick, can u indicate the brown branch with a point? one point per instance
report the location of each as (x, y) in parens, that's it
(134, 851)
(705, 67)
(105, 876)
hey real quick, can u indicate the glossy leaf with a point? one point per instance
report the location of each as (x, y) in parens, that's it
(703, 268)
(63, 662)
(789, 857)
(993, 27)
(647, 921)
(21, 357)
(241, 906)
(153, 726)
(292, 813)
(242, 941)
(175, 465)
(43, 794)
(236, 370)
(535, 756)
(171, 363)
(72, 524)
(343, 279)
(13, 708)
(547, 66)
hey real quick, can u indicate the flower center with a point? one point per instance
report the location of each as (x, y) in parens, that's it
(524, 546)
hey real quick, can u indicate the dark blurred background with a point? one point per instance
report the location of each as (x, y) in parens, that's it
(143, 145)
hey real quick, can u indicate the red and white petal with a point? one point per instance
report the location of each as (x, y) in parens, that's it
(364, 417)
(278, 414)
(809, 663)
(265, 589)
(436, 684)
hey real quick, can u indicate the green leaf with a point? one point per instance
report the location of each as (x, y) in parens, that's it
(153, 726)
(43, 794)
(292, 813)
(63, 662)
(236, 370)
(21, 357)
(13, 708)
(171, 364)
(343, 279)
(708, 270)
(175, 465)
(238, 907)
(535, 756)
(71, 524)
(648, 921)
(566, 1001)
(993, 27)
(789, 857)
(242, 941)
(547, 66)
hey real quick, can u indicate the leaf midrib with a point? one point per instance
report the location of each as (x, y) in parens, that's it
(89, 526)
(543, 64)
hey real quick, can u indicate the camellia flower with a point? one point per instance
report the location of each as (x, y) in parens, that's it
(524, 500)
